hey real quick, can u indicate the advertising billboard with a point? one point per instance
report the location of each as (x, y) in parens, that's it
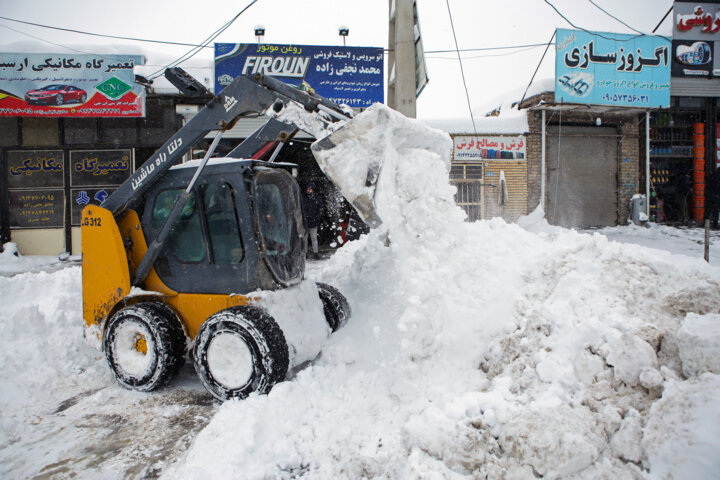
(345, 75)
(52, 85)
(696, 39)
(612, 69)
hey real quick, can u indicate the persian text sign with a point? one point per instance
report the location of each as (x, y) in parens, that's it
(696, 40)
(695, 21)
(44, 208)
(52, 85)
(612, 69)
(35, 169)
(505, 147)
(345, 75)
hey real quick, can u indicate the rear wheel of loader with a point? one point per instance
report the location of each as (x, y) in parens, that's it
(144, 345)
(239, 351)
(335, 306)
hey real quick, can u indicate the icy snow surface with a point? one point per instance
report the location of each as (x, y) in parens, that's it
(475, 350)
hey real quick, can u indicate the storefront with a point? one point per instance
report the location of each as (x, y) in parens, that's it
(683, 138)
(490, 174)
(52, 167)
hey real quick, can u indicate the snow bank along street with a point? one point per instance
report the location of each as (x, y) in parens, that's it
(476, 350)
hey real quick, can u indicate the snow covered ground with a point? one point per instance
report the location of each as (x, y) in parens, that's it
(475, 350)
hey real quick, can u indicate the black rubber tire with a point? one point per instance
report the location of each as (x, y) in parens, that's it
(83, 98)
(166, 350)
(265, 343)
(335, 306)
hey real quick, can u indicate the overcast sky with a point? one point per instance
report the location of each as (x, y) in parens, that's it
(490, 75)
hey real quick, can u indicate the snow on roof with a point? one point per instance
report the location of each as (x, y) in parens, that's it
(514, 122)
(509, 119)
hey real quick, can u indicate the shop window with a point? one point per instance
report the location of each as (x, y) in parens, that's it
(39, 132)
(160, 122)
(81, 131)
(8, 132)
(118, 131)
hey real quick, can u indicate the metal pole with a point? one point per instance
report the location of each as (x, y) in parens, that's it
(647, 164)
(542, 162)
(707, 240)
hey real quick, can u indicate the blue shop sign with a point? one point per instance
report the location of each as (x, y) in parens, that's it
(612, 69)
(345, 75)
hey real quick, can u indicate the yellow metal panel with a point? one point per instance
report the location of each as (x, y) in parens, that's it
(105, 275)
(195, 308)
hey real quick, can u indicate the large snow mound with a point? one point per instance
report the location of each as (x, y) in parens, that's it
(480, 350)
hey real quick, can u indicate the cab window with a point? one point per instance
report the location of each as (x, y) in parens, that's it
(222, 223)
(186, 237)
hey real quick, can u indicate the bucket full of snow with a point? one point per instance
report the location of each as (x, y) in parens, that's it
(354, 155)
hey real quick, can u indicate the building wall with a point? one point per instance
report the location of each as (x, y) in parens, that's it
(61, 136)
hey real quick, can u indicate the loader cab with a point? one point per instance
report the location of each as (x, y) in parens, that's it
(241, 230)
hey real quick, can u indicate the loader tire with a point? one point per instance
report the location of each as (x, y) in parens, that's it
(335, 306)
(239, 351)
(144, 345)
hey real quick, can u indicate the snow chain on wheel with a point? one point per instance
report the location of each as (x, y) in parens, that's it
(145, 346)
(335, 306)
(239, 351)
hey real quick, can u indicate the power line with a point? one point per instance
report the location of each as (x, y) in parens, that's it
(616, 18)
(487, 55)
(593, 33)
(508, 47)
(662, 20)
(193, 51)
(462, 72)
(97, 34)
(537, 68)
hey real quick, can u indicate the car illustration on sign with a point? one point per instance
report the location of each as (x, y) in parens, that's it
(56, 94)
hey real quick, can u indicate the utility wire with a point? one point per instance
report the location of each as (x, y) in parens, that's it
(537, 68)
(487, 48)
(616, 18)
(193, 51)
(487, 55)
(593, 33)
(662, 20)
(97, 34)
(462, 72)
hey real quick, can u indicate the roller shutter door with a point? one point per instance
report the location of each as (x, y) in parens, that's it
(582, 166)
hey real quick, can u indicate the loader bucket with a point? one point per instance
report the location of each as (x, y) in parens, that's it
(352, 157)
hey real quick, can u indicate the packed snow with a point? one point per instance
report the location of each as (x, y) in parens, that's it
(475, 350)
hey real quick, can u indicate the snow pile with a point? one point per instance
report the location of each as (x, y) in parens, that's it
(299, 313)
(9, 252)
(486, 350)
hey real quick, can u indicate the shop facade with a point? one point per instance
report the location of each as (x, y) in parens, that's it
(52, 167)
(683, 154)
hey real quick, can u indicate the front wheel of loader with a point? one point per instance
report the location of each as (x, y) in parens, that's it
(335, 306)
(144, 345)
(239, 351)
